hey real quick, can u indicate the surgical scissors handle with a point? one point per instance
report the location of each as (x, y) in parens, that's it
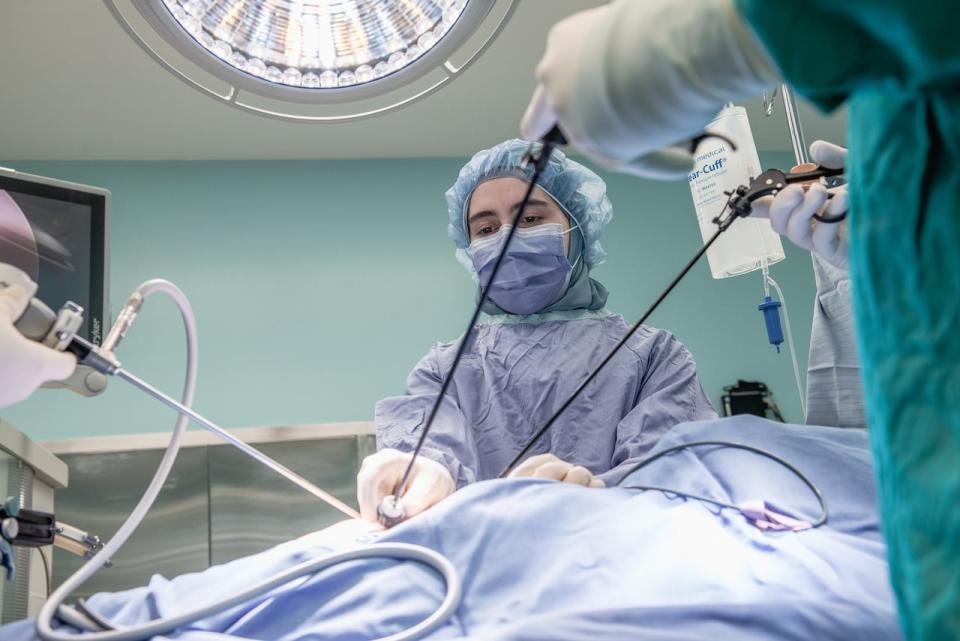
(771, 181)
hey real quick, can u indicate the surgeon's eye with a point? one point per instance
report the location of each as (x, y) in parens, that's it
(485, 231)
(531, 220)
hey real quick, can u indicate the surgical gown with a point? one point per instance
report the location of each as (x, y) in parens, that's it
(834, 386)
(517, 370)
(897, 66)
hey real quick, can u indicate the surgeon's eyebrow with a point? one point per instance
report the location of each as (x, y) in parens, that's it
(481, 214)
(487, 213)
(533, 202)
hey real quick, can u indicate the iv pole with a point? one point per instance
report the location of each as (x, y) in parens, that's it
(793, 123)
(800, 157)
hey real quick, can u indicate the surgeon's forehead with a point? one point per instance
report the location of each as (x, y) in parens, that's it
(503, 192)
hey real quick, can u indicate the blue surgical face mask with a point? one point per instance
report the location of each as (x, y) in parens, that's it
(534, 272)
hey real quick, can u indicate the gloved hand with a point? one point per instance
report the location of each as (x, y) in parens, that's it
(548, 466)
(632, 82)
(380, 474)
(25, 364)
(791, 211)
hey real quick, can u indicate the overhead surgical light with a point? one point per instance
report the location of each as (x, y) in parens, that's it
(316, 52)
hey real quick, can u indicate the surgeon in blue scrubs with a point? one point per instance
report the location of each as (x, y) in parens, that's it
(545, 327)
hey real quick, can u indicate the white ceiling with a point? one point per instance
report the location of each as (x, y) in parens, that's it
(74, 86)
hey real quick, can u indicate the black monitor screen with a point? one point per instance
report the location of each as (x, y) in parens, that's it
(57, 235)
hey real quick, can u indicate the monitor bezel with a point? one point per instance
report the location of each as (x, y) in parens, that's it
(98, 199)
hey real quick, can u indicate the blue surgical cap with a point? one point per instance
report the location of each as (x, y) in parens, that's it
(580, 193)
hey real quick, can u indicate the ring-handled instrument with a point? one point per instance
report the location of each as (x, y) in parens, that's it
(772, 181)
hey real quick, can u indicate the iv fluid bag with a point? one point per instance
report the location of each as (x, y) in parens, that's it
(749, 242)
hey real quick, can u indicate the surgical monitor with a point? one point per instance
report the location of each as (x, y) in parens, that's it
(58, 233)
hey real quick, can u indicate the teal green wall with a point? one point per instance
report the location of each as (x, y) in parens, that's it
(318, 284)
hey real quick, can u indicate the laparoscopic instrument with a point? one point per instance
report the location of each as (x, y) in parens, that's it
(738, 205)
(390, 511)
(59, 331)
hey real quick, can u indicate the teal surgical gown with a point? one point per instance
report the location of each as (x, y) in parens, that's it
(897, 67)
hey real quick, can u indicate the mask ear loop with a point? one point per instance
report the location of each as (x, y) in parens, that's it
(573, 265)
(577, 226)
(570, 230)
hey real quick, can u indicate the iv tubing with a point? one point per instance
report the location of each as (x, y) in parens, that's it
(793, 350)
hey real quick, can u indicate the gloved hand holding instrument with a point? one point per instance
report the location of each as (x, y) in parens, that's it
(812, 216)
(24, 364)
(631, 83)
(391, 510)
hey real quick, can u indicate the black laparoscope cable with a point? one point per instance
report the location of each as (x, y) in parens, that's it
(821, 520)
(550, 141)
(722, 225)
(547, 145)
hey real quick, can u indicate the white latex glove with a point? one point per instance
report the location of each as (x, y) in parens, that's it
(24, 364)
(632, 82)
(548, 466)
(380, 474)
(791, 211)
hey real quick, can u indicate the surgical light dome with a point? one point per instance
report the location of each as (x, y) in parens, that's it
(316, 52)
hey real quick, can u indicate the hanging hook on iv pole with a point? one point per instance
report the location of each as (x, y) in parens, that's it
(792, 113)
(800, 154)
